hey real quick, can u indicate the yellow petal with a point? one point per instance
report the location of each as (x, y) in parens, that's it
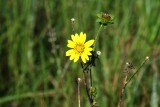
(73, 38)
(69, 52)
(69, 41)
(87, 58)
(83, 58)
(88, 49)
(82, 37)
(76, 35)
(76, 58)
(72, 57)
(70, 44)
(88, 53)
(89, 43)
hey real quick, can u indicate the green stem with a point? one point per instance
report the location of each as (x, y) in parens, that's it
(91, 76)
(97, 35)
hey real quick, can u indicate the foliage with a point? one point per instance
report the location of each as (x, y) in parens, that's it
(34, 71)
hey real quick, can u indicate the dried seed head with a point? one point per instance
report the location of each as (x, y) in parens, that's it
(98, 53)
(127, 63)
(72, 20)
(147, 57)
(79, 79)
(130, 65)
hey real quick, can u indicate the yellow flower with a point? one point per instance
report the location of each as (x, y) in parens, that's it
(79, 47)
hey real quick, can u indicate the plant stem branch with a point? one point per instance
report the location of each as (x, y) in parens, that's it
(91, 76)
(87, 89)
(127, 81)
(137, 70)
(85, 82)
(97, 35)
(79, 98)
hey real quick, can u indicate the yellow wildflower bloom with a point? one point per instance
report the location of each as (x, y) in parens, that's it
(80, 48)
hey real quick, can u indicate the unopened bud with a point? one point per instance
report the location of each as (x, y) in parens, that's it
(98, 53)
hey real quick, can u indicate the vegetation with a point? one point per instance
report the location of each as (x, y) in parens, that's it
(35, 72)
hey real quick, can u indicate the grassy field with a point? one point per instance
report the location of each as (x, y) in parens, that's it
(35, 72)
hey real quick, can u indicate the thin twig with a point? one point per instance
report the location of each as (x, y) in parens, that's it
(79, 98)
(72, 22)
(85, 82)
(121, 95)
(87, 89)
(127, 81)
(137, 70)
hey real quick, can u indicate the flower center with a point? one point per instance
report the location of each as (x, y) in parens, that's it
(79, 48)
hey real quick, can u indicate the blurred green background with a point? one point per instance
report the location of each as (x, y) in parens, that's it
(34, 71)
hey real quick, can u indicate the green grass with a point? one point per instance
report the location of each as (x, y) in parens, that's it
(36, 73)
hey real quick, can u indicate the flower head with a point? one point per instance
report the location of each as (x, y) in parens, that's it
(104, 19)
(80, 48)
